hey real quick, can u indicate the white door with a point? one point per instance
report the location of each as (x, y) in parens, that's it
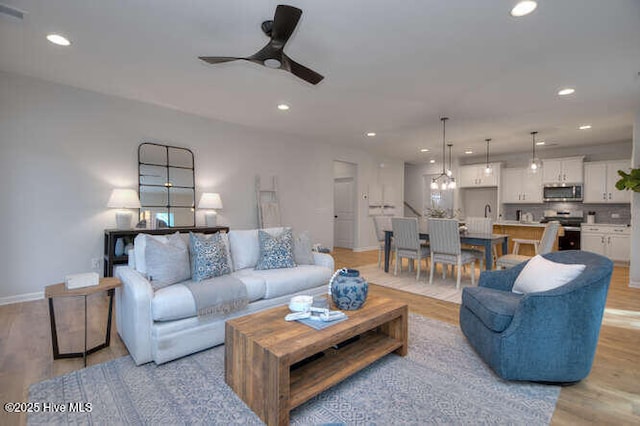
(512, 185)
(595, 183)
(343, 212)
(619, 247)
(572, 170)
(593, 242)
(551, 171)
(614, 195)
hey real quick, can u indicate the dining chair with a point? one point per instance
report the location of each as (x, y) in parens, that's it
(406, 238)
(480, 225)
(541, 246)
(381, 224)
(444, 241)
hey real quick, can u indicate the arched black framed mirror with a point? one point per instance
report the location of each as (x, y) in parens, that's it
(166, 185)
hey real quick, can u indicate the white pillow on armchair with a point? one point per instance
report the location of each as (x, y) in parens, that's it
(541, 274)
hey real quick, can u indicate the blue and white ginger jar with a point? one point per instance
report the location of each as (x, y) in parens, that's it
(349, 290)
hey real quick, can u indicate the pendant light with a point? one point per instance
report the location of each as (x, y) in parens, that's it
(488, 170)
(534, 164)
(452, 180)
(443, 180)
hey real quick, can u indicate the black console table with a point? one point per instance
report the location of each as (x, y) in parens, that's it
(112, 235)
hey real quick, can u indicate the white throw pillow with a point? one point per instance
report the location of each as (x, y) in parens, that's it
(245, 246)
(139, 246)
(541, 274)
(167, 263)
(302, 248)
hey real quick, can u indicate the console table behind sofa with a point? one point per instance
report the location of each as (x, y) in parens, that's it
(112, 235)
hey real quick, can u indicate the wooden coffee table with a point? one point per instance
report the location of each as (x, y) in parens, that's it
(260, 350)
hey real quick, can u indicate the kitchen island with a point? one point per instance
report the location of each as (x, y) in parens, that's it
(524, 230)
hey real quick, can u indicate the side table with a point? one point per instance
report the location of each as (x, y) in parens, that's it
(59, 290)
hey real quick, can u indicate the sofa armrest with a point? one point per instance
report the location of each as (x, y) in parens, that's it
(323, 259)
(133, 313)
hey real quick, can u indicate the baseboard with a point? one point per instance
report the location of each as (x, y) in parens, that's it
(26, 297)
(634, 284)
(359, 249)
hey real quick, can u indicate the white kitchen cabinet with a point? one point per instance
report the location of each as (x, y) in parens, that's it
(473, 176)
(612, 241)
(562, 170)
(519, 186)
(600, 179)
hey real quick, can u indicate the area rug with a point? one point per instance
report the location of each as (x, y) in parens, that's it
(443, 289)
(440, 381)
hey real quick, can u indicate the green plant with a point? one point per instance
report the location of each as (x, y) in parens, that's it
(629, 180)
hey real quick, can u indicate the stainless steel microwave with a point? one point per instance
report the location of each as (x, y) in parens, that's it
(562, 193)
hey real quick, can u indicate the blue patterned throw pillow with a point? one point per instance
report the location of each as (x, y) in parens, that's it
(276, 252)
(208, 256)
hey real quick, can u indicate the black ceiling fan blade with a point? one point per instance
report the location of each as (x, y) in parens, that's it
(218, 59)
(300, 71)
(285, 21)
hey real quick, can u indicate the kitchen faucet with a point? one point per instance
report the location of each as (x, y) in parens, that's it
(487, 207)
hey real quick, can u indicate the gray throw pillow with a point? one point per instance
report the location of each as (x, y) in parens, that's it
(209, 256)
(276, 252)
(167, 262)
(302, 249)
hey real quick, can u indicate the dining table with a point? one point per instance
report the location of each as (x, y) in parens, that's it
(476, 239)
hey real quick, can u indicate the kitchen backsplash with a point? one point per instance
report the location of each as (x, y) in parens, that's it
(603, 211)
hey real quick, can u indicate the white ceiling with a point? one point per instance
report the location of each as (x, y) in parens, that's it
(392, 67)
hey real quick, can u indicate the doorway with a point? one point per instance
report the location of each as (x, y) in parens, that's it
(344, 204)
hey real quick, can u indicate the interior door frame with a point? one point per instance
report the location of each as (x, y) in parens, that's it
(353, 174)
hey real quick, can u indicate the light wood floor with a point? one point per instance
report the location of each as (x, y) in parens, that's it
(610, 395)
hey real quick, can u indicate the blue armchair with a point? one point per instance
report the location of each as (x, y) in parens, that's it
(549, 336)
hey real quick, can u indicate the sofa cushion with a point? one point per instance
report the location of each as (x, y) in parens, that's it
(208, 256)
(540, 274)
(302, 248)
(245, 247)
(166, 262)
(139, 246)
(280, 282)
(176, 301)
(276, 252)
(495, 308)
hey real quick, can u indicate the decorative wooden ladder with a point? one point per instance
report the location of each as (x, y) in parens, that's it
(268, 204)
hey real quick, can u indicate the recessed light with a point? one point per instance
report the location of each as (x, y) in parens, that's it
(432, 161)
(540, 143)
(566, 91)
(523, 8)
(424, 150)
(283, 107)
(371, 134)
(468, 151)
(585, 127)
(58, 39)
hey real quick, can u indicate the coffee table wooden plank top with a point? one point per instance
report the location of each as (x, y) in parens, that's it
(261, 348)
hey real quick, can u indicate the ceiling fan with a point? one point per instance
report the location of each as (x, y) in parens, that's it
(272, 55)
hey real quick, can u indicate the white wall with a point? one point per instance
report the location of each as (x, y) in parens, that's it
(634, 267)
(64, 149)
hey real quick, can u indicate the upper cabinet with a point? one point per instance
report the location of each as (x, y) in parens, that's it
(473, 176)
(562, 170)
(521, 186)
(600, 178)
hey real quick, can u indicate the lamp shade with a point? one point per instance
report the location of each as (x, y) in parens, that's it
(210, 200)
(124, 199)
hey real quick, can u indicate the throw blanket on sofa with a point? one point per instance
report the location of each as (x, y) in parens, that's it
(219, 296)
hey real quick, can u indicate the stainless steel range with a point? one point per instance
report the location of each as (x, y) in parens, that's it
(570, 221)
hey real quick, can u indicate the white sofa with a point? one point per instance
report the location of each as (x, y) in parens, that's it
(163, 325)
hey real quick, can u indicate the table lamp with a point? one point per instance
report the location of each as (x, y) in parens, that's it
(211, 202)
(123, 199)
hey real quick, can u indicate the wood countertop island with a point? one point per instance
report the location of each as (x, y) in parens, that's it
(526, 230)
